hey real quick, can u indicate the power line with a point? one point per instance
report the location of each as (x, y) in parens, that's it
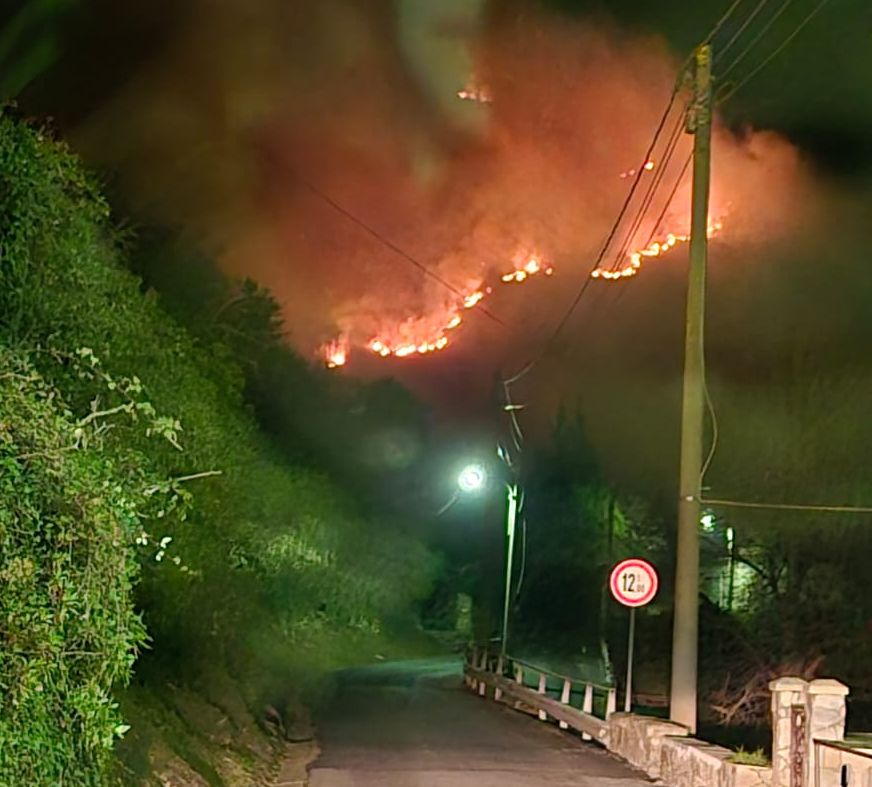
(715, 428)
(724, 18)
(756, 40)
(718, 25)
(511, 407)
(606, 244)
(662, 215)
(523, 572)
(731, 67)
(392, 246)
(662, 166)
(708, 399)
(709, 404)
(670, 198)
(788, 506)
(744, 26)
(655, 184)
(647, 200)
(777, 51)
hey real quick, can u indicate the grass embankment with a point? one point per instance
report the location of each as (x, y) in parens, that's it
(144, 505)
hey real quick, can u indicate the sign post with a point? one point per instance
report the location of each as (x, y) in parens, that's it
(634, 584)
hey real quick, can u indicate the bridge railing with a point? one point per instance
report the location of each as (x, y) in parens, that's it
(809, 747)
(574, 703)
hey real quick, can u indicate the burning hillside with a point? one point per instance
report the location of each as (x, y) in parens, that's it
(492, 184)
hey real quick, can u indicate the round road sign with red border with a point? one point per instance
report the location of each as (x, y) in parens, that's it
(634, 582)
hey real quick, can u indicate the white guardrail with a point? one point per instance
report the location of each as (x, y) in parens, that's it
(511, 680)
(817, 754)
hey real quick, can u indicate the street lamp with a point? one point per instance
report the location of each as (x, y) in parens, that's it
(473, 478)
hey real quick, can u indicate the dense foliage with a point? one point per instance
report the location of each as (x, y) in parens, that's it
(69, 632)
(123, 433)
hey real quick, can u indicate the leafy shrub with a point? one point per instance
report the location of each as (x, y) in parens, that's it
(267, 553)
(68, 631)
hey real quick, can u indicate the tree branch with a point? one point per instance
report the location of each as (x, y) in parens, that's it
(93, 416)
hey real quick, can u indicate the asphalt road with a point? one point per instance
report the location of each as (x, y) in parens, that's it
(413, 724)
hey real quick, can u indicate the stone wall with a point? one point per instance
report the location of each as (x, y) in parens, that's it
(663, 751)
(639, 739)
(687, 762)
(802, 712)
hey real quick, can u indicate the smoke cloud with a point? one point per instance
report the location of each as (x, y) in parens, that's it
(255, 121)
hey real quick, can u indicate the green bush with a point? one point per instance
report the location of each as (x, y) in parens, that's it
(68, 631)
(130, 436)
(756, 758)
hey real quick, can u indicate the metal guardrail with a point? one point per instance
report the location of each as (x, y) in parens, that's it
(507, 678)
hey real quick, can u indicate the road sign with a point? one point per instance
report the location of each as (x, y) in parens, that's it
(634, 582)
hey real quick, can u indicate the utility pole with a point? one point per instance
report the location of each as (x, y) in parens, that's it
(685, 635)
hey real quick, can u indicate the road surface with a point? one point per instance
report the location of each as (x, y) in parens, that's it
(413, 724)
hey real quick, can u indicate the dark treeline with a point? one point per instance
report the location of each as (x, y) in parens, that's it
(783, 592)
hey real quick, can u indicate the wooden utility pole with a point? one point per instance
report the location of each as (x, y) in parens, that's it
(685, 635)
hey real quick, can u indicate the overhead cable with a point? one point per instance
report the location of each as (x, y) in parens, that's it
(392, 246)
(724, 18)
(650, 193)
(756, 40)
(606, 243)
(777, 51)
(722, 51)
(833, 509)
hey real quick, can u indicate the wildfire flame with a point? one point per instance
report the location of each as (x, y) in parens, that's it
(474, 91)
(647, 166)
(530, 267)
(525, 265)
(414, 339)
(336, 353)
(473, 298)
(656, 248)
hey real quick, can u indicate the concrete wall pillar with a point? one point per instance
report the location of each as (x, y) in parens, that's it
(787, 693)
(819, 706)
(827, 707)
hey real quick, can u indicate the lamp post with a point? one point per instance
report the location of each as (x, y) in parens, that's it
(473, 478)
(511, 515)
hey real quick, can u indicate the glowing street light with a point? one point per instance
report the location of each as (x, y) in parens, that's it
(472, 478)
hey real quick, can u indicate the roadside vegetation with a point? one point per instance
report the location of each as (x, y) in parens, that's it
(153, 529)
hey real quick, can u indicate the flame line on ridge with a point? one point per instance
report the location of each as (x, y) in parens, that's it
(612, 232)
(623, 290)
(724, 18)
(648, 199)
